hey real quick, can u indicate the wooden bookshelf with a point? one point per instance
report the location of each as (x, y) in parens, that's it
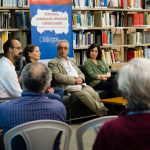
(23, 34)
(122, 48)
(108, 28)
(14, 8)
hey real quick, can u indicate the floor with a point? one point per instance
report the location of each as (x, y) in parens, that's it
(88, 137)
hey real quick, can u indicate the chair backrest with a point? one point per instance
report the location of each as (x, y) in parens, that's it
(94, 124)
(39, 135)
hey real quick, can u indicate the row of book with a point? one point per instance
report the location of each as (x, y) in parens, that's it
(97, 19)
(138, 20)
(135, 4)
(23, 37)
(137, 52)
(82, 39)
(110, 56)
(22, 20)
(106, 37)
(132, 4)
(14, 3)
(139, 37)
(89, 3)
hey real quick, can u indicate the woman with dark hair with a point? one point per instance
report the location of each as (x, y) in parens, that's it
(32, 54)
(97, 72)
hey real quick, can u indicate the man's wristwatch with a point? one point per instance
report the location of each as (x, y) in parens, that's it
(104, 76)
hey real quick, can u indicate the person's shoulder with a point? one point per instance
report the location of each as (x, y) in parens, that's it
(87, 62)
(54, 60)
(4, 104)
(57, 104)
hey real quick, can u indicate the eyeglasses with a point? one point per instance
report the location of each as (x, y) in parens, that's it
(61, 48)
(19, 48)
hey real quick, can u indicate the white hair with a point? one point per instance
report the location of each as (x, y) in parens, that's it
(62, 41)
(134, 82)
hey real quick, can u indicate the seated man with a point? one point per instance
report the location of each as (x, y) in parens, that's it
(32, 105)
(9, 85)
(69, 77)
(130, 131)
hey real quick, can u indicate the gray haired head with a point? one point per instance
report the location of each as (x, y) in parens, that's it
(36, 77)
(62, 41)
(134, 82)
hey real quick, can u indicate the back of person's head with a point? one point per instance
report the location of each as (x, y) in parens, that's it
(99, 56)
(27, 49)
(134, 83)
(36, 77)
(7, 45)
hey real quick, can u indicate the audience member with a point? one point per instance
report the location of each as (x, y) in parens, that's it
(97, 72)
(32, 105)
(9, 86)
(131, 129)
(68, 76)
(32, 54)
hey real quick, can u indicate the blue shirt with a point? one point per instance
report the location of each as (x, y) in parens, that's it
(29, 107)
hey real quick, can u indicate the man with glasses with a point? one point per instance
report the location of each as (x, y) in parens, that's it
(9, 86)
(68, 76)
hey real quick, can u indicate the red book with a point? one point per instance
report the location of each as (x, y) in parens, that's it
(128, 4)
(104, 38)
(134, 21)
(141, 19)
(121, 5)
(137, 17)
(129, 20)
(114, 55)
(130, 55)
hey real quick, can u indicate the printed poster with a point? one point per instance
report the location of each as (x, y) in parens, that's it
(51, 21)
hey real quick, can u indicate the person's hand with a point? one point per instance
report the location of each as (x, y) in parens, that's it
(78, 81)
(50, 90)
(103, 77)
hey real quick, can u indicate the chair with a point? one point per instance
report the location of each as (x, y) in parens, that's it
(39, 135)
(94, 124)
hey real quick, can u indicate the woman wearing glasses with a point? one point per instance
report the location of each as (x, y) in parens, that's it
(32, 54)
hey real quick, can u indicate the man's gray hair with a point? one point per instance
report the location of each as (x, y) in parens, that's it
(134, 82)
(36, 77)
(62, 41)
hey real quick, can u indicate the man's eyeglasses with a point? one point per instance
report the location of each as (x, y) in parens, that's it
(61, 48)
(19, 48)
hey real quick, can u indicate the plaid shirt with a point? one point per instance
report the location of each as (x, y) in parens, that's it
(31, 106)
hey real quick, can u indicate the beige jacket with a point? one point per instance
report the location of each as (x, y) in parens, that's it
(59, 74)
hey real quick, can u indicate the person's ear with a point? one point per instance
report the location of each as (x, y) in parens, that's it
(10, 49)
(29, 54)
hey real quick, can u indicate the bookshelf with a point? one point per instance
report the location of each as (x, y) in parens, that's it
(124, 29)
(9, 24)
(13, 26)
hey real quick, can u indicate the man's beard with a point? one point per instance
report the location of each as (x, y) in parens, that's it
(17, 57)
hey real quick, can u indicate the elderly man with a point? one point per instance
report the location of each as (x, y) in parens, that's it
(131, 130)
(69, 77)
(9, 85)
(32, 105)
